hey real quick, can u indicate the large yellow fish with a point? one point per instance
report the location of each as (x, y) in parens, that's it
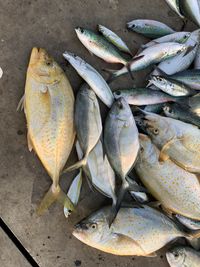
(49, 110)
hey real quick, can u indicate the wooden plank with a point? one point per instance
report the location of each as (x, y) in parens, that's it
(10, 256)
(23, 181)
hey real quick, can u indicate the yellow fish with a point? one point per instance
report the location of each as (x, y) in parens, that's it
(49, 110)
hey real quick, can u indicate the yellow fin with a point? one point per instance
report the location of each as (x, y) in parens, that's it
(54, 194)
(30, 145)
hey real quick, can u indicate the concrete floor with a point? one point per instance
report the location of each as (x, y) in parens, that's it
(23, 181)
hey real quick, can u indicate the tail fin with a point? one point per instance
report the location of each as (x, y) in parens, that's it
(112, 75)
(116, 206)
(54, 195)
(77, 165)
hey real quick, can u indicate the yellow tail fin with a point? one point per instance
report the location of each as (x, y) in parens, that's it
(54, 194)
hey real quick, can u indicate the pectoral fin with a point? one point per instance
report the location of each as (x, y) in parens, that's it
(20, 105)
(30, 145)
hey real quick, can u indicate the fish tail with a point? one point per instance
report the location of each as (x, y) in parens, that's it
(112, 75)
(54, 194)
(77, 165)
(116, 205)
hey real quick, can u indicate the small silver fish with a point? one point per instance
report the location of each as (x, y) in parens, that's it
(175, 5)
(191, 10)
(92, 77)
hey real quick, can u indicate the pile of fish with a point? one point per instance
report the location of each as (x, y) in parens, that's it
(148, 146)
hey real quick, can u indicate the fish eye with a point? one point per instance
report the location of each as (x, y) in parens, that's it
(69, 211)
(159, 79)
(118, 93)
(141, 149)
(48, 63)
(93, 226)
(133, 26)
(156, 131)
(176, 255)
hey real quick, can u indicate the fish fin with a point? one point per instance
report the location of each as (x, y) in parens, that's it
(189, 49)
(133, 186)
(161, 72)
(112, 74)
(21, 103)
(154, 204)
(30, 144)
(77, 165)
(128, 66)
(115, 208)
(124, 239)
(163, 157)
(54, 195)
(185, 21)
(151, 255)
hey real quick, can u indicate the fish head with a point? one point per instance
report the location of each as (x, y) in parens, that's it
(92, 229)
(120, 110)
(185, 37)
(176, 256)
(147, 149)
(78, 63)
(160, 81)
(134, 24)
(83, 34)
(157, 127)
(168, 110)
(43, 67)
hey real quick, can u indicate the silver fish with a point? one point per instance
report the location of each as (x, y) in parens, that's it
(136, 231)
(189, 223)
(197, 59)
(179, 37)
(121, 144)
(190, 78)
(171, 86)
(149, 28)
(74, 193)
(191, 10)
(92, 77)
(183, 257)
(151, 55)
(182, 62)
(114, 39)
(99, 46)
(88, 123)
(175, 5)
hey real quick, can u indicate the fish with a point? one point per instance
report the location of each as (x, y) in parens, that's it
(175, 139)
(179, 37)
(88, 123)
(155, 108)
(194, 104)
(121, 144)
(74, 193)
(49, 110)
(140, 197)
(190, 78)
(179, 112)
(132, 233)
(189, 223)
(197, 59)
(191, 10)
(177, 190)
(175, 6)
(149, 56)
(145, 96)
(92, 77)
(99, 46)
(171, 86)
(99, 172)
(183, 257)
(182, 62)
(114, 39)
(149, 28)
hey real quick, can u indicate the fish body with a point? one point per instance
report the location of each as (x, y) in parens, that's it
(171, 86)
(99, 171)
(183, 257)
(99, 46)
(151, 55)
(155, 108)
(114, 39)
(197, 59)
(188, 77)
(132, 233)
(92, 77)
(149, 28)
(191, 10)
(74, 193)
(182, 113)
(144, 96)
(49, 110)
(121, 143)
(88, 122)
(179, 37)
(176, 140)
(182, 61)
(175, 5)
(189, 223)
(176, 189)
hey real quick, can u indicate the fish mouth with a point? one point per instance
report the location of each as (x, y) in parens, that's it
(39, 54)
(67, 55)
(130, 25)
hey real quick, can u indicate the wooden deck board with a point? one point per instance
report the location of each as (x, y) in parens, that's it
(23, 181)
